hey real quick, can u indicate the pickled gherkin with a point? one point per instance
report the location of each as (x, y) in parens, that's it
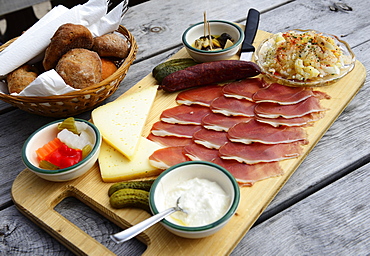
(68, 124)
(142, 185)
(47, 165)
(86, 151)
(128, 197)
(166, 68)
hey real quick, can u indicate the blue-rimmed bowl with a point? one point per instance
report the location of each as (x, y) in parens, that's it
(182, 172)
(218, 27)
(47, 133)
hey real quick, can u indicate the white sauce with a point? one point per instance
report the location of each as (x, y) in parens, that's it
(203, 200)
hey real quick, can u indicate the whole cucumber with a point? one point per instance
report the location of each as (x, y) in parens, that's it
(143, 185)
(129, 197)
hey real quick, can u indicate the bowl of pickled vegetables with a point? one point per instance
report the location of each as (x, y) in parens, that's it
(62, 150)
(217, 40)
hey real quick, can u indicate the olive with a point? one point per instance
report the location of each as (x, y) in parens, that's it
(223, 38)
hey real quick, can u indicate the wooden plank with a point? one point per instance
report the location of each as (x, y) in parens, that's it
(254, 200)
(168, 37)
(157, 33)
(347, 131)
(137, 73)
(22, 237)
(331, 155)
(15, 5)
(329, 222)
(13, 131)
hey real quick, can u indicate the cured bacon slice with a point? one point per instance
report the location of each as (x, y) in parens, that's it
(306, 120)
(243, 89)
(285, 95)
(248, 174)
(219, 122)
(210, 139)
(169, 141)
(201, 96)
(166, 157)
(184, 114)
(198, 152)
(254, 131)
(233, 107)
(258, 152)
(178, 130)
(274, 110)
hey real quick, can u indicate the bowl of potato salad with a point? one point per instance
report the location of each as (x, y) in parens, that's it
(304, 58)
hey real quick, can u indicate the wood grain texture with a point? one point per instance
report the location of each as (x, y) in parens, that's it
(93, 193)
(328, 222)
(346, 142)
(157, 29)
(11, 6)
(343, 148)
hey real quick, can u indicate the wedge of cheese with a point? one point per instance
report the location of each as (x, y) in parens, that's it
(121, 122)
(115, 167)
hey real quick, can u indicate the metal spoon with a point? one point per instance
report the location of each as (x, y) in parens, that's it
(129, 233)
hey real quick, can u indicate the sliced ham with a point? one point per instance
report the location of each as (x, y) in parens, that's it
(306, 120)
(243, 89)
(254, 131)
(210, 139)
(201, 96)
(198, 152)
(178, 130)
(233, 107)
(167, 157)
(274, 110)
(285, 95)
(219, 122)
(248, 174)
(184, 114)
(169, 141)
(258, 152)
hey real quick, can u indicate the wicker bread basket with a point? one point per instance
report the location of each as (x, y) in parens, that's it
(74, 103)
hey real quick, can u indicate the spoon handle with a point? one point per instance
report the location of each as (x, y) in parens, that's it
(129, 233)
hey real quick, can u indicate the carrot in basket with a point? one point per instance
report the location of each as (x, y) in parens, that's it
(48, 148)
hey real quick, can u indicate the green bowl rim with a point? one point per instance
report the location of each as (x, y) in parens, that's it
(44, 171)
(226, 216)
(236, 44)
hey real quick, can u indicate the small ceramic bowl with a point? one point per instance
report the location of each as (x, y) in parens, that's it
(348, 56)
(47, 133)
(182, 172)
(218, 27)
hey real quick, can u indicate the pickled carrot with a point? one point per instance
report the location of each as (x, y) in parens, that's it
(48, 148)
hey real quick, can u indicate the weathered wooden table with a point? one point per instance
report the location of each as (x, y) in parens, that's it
(322, 210)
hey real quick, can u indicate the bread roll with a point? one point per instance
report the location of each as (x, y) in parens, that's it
(80, 68)
(67, 37)
(111, 45)
(20, 78)
(108, 68)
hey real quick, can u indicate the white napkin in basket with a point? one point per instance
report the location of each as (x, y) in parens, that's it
(34, 41)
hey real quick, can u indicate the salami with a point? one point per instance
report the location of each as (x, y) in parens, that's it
(209, 73)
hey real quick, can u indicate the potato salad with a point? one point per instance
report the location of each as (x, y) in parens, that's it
(303, 56)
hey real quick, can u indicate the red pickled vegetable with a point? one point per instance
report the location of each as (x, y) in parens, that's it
(65, 156)
(48, 148)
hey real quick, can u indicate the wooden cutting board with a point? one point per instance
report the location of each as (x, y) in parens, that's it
(36, 198)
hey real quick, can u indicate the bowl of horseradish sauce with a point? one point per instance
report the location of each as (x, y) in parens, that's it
(209, 196)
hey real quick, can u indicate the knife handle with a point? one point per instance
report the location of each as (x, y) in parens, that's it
(251, 26)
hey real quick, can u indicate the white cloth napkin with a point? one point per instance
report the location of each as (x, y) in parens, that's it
(33, 42)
